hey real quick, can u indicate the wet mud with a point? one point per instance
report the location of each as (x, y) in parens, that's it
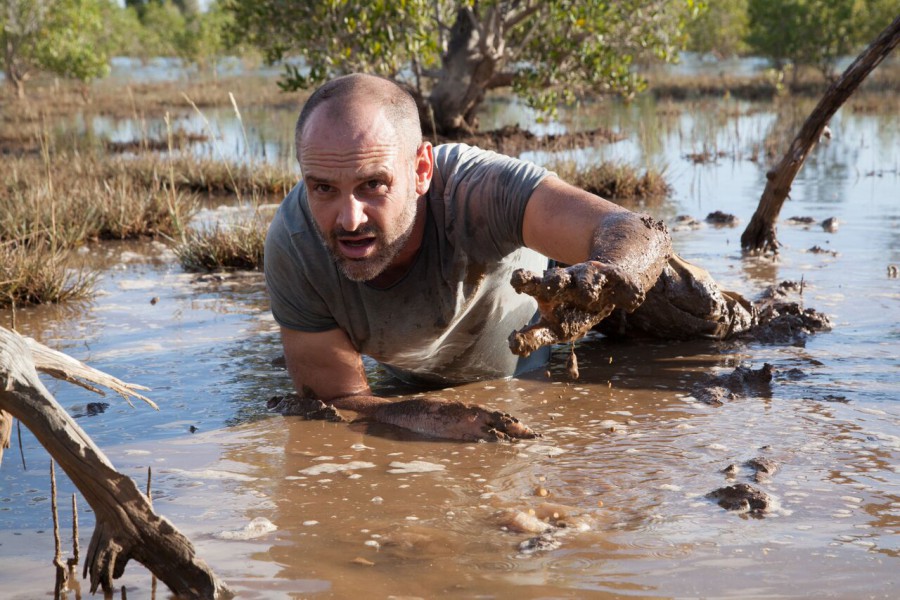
(741, 498)
(741, 382)
(722, 219)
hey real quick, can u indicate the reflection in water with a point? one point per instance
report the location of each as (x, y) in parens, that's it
(625, 448)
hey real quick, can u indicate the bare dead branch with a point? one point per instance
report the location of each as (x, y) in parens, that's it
(127, 528)
(760, 234)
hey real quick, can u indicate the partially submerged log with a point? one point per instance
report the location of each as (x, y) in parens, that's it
(760, 234)
(126, 525)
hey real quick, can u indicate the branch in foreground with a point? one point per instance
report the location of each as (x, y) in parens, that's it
(126, 525)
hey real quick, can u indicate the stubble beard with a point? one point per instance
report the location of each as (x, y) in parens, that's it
(387, 249)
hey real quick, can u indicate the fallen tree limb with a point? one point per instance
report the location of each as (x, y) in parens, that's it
(126, 525)
(760, 234)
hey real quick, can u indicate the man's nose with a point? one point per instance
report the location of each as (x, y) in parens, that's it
(353, 214)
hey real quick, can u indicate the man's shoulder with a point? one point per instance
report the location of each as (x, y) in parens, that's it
(290, 217)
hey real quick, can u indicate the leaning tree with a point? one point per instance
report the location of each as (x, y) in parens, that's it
(450, 54)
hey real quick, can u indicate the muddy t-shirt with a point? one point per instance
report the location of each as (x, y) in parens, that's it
(447, 321)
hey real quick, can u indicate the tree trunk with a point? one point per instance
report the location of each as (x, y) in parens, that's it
(473, 56)
(760, 234)
(126, 525)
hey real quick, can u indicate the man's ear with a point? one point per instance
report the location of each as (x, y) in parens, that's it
(424, 167)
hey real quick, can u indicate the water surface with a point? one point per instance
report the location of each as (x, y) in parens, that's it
(627, 453)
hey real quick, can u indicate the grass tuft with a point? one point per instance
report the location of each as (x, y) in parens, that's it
(34, 273)
(238, 245)
(616, 181)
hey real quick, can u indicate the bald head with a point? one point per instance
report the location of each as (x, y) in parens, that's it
(355, 96)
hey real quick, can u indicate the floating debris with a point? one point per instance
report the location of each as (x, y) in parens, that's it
(256, 528)
(328, 467)
(416, 466)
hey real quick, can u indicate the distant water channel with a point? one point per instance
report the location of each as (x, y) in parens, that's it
(627, 455)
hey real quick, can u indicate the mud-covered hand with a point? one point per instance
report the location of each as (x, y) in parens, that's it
(571, 301)
(627, 254)
(451, 420)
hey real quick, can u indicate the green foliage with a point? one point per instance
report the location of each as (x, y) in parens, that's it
(73, 46)
(65, 37)
(813, 32)
(338, 37)
(549, 51)
(575, 48)
(720, 30)
(173, 29)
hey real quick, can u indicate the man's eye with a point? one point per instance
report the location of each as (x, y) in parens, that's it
(375, 184)
(322, 188)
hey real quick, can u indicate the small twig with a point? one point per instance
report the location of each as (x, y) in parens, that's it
(73, 562)
(21, 451)
(61, 573)
(150, 502)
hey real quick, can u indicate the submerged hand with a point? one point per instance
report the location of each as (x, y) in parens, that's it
(451, 420)
(571, 301)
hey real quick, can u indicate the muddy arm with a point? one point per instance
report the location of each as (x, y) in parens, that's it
(328, 375)
(433, 417)
(126, 526)
(616, 258)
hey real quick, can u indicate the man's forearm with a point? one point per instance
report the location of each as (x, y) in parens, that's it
(636, 248)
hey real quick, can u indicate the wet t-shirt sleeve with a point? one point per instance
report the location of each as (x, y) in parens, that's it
(292, 273)
(486, 194)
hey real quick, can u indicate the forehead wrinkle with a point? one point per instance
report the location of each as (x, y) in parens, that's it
(354, 162)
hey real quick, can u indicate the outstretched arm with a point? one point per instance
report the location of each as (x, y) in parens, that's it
(325, 366)
(616, 257)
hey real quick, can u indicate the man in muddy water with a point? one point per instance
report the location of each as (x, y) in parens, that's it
(423, 258)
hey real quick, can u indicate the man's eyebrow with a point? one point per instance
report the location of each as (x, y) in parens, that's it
(315, 179)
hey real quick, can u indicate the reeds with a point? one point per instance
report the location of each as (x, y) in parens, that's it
(238, 245)
(616, 181)
(33, 273)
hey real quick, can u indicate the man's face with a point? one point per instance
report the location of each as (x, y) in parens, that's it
(362, 187)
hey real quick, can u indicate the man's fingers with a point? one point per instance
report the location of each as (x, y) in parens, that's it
(505, 426)
(529, 339)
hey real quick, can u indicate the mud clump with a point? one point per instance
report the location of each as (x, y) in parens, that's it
(831, 224)
(686, 222)
(801, 220)
(820, 250)
(722, 219)
(734, 385)
(764, 468)
(788, 323)
(742, 498)
(780, 320)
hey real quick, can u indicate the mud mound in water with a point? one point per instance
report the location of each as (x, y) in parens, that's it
(732, 386)
(781, 319)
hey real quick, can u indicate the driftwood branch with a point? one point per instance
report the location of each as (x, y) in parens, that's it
(126, 525)
(760, 234)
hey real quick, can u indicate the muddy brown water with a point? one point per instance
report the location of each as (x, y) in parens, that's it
(626, 458)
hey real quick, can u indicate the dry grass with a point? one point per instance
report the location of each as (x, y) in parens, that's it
(616, 181)
(71, 198)
(237, 245)
(34, 273)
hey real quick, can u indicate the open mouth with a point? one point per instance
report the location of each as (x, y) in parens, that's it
(358, 247)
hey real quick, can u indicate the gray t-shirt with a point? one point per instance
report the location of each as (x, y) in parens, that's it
(447, 321)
